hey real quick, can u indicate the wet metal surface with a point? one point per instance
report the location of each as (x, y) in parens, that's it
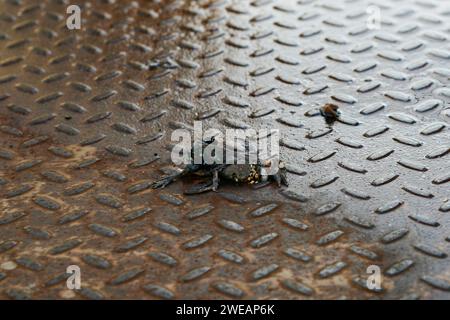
(85, 123)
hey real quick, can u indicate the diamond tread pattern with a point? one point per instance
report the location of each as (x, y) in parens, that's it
(85, 123)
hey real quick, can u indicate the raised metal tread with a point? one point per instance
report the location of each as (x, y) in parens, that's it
(85, 123)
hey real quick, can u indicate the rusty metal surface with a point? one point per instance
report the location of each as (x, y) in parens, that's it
(85, 123)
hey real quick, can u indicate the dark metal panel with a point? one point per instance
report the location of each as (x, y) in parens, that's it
(85, 123)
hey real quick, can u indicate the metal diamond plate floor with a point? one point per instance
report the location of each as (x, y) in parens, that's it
(85, 123)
